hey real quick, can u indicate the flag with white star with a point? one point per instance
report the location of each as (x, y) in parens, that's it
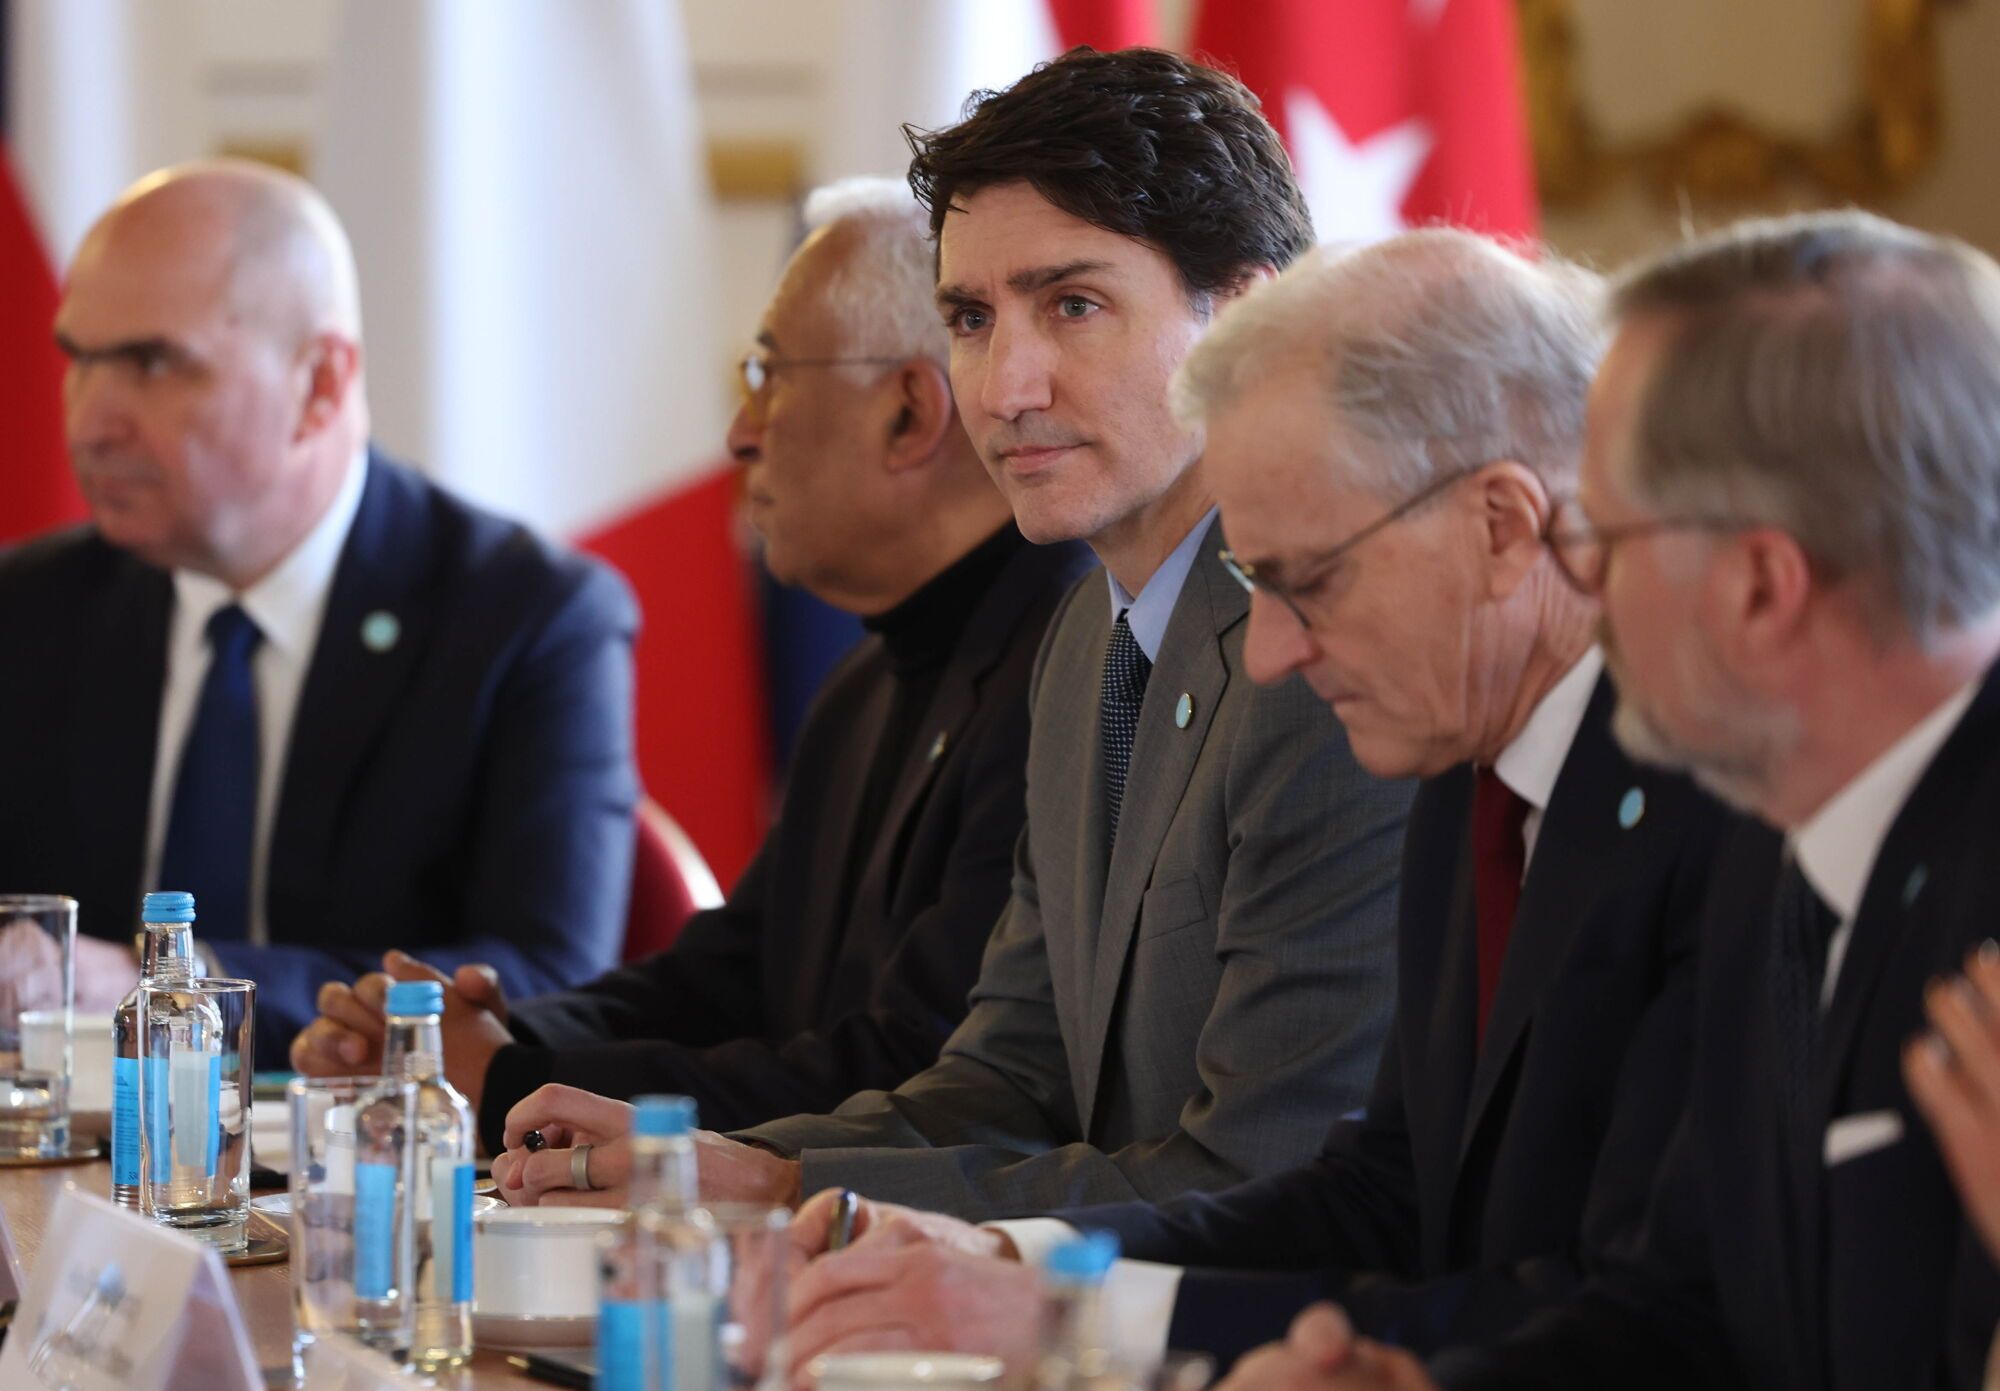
(1396, 112)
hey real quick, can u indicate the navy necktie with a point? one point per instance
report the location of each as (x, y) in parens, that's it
(213, 818)
(1125, 671)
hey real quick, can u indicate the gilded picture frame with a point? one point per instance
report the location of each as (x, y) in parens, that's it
(1888, 135)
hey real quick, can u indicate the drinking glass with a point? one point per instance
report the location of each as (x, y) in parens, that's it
(37, 974)
(195, 1061)
(353, 1157)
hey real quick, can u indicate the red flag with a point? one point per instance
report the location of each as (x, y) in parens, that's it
(1104, 24)
(1396, 112)
(37, 489)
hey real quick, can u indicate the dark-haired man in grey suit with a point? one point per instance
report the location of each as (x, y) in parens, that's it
(1193, 975)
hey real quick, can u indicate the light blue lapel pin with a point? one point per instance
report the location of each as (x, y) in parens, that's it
(1183, 711)
(1632, 807)
(380, 630)
(1914, 885)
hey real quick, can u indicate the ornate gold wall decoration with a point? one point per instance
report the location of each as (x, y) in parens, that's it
(1888, 136)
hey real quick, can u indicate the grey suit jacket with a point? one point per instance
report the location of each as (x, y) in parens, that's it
(1194, 1012)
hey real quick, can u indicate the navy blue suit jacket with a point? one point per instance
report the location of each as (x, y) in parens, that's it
(466, 794)
(1902, 1294)
(1462, 1201)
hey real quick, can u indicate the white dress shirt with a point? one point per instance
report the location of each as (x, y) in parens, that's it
(287, 606)
(1139, 1295)
(1837, 845)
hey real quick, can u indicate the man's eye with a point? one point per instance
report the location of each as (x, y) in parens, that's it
(966, 320)
(1074, 307)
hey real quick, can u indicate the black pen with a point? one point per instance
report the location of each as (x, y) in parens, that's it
(554, 1373)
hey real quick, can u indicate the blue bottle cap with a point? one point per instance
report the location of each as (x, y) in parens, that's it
(663, 1117)
(415, 997)
(167, 906)
(1083, 1260)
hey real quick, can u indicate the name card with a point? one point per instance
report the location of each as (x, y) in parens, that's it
(116, 1303)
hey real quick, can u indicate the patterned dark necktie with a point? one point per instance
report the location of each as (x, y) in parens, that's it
(212, 821)
(1803, 927)
(1125, 671)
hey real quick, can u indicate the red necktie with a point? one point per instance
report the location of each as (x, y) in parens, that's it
(1498, 857)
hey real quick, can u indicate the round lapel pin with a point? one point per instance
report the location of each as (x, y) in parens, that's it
(379, 631)
(1183, 711)
(1914, 885)
(1631, 807)
(938, 746)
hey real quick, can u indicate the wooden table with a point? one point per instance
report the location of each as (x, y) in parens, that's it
(263, 1292)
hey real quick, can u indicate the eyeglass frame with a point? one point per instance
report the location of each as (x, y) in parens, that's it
(1617, 533)
(764, 364)
(1245, 573)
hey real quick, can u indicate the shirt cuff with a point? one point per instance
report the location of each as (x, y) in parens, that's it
(1138, 1295)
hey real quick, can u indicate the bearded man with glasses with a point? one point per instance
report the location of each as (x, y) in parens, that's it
(1388, 431)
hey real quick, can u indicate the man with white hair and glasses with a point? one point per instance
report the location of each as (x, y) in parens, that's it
(843, 956)
(1790, 506)
(1418, 404)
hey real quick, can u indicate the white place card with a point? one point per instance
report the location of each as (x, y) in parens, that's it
(116, 1303)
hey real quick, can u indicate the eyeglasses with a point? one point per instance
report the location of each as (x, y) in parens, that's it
(1245, 573)
(1583, 552)
(755, 368)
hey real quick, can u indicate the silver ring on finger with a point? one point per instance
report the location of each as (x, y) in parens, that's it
(579, 1169)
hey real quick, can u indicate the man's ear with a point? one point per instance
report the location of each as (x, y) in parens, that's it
(1514, 506)
(332, 364)
(1239, 285)
(921, 412)
(1761, 593)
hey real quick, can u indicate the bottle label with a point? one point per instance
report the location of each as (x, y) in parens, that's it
(125, 1122)
(451, 1228)
(374, 1230)
(625, 1361)
(161, 1159)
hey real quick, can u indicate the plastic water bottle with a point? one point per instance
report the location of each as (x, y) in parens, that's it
(167, 957)
(1076, 1356)
(658, 1320)
(414, 1049)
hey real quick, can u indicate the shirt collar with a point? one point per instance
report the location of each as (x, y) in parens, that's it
(1837, 845)
(1534, 758)
(1147, 615)
(287, 604)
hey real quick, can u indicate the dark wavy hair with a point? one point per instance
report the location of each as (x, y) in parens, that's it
(1141, 142)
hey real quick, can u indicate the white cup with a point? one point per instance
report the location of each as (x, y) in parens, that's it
(41, 1050)
(538, 1262)
(906, 1371)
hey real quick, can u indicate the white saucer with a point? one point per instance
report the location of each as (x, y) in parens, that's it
(280, 1204)
(528, 1331)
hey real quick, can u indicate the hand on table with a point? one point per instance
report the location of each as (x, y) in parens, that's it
(31, 971)
(900, 1287)
(570, 1116)
(347, 1036)
(1323, 1353)
(889, 1223)
(1953, 1073)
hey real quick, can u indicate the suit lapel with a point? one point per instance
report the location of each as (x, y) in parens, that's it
(1917, 838)
(1163, 757)
(1580, 834)
(122, 670)
(834, 853)
(353, 683)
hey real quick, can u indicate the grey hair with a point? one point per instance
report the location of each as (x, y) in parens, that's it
(882, 295)
(1439, 349)
(1837, 376)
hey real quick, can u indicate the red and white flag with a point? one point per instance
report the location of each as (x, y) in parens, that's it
(1396, 112)
(93, 93)
(526, 193)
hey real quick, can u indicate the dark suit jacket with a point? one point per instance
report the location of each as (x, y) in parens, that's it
(1462, 1199)
(779, 1001)
(1185, 1008)
(467, 793)
(1906, 1297)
